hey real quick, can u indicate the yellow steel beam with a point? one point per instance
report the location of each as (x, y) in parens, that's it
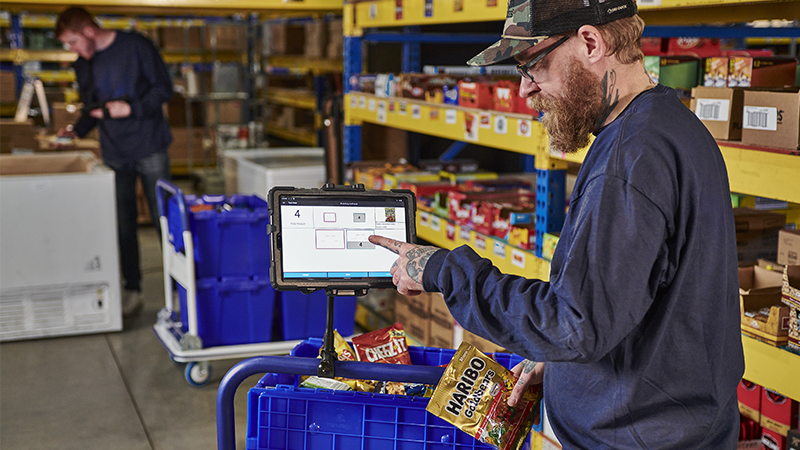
(304, 137)
(19, 56)
(297, 98)
(771, 367)
(764, 174)
(302, 64)
(198, 7)
(519, 133)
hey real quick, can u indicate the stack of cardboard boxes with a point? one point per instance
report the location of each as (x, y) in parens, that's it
(335, 39)
(757, 234)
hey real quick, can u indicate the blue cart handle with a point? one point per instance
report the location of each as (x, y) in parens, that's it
(226, 430)
(164, 185)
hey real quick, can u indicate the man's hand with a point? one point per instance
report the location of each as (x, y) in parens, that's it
(117, 109)
(528, 373)
(407, 270)
(67, 133)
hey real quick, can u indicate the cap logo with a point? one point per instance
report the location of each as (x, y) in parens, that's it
(618, 8)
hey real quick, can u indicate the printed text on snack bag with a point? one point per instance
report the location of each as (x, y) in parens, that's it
(463, 388)
(393, 348)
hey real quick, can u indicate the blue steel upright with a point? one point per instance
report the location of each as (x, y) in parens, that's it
(551, 192)
(351, 141)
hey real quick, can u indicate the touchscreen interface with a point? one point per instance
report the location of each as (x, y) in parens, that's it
(327, 237)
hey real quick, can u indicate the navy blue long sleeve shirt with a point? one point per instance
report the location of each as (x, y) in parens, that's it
(639, 323)
(130, 67)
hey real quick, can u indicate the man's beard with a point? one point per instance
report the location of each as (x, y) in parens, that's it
(572, 117)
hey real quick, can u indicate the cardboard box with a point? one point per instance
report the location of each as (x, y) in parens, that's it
(175, 38)
(748, 71)
(230, 112)
(8, 87)
(771, 119)
(316, 39)
(419, 307)
(195, 139)
(18, 137)
(715, 73)
(749, 395)
(755, 245)
(789, 247)
(286, 38)
(401, 312)
(772, 440)
(442, 331)
(228, 37)
(763, 316)
(481, 344)
(720, 110)
(748, 220)
(790, 296)
(778, 412)
(176, 112)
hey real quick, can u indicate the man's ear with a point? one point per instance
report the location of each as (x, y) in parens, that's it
(89, 31)
(592, 45)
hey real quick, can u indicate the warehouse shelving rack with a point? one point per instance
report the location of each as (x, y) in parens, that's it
(752, 172)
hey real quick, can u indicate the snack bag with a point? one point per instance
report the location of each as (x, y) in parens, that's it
(387, 345)
(343, 349)
(473, 395)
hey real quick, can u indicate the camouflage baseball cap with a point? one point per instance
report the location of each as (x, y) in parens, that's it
(529, 22)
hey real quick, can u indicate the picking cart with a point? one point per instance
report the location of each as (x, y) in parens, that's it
(237, 328)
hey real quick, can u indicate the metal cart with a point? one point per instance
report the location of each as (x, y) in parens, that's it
(186, 346)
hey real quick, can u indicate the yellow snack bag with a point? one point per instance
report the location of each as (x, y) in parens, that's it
(343, 349)
(473, 394)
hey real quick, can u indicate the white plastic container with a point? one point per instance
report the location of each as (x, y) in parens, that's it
(259, 170)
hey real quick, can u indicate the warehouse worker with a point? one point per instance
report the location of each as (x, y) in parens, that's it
(638, 327)
(123, 84)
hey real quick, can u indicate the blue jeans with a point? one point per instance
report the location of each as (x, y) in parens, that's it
(149, 169)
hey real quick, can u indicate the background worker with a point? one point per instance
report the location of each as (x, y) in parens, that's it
(123, 84)
(638, 327)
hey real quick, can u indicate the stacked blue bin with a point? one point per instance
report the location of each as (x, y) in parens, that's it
(235, 301)
(281, 415)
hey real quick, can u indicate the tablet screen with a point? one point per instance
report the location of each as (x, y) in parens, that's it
(325, 238)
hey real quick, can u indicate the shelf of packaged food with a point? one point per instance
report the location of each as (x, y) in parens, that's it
(771, 367)
(447, 234)
(202, 56)
(506, 131)
(390, 13)
(21, 55)
(297, 98)
(301, 64)
(301, 136)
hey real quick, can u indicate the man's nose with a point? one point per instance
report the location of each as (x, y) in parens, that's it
(527, 87)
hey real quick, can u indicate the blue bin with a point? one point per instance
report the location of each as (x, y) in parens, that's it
(227, 243)
(304, 315)
(231, 311)
(289, 417)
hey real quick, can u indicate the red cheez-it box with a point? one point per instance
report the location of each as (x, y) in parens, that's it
(475, 95)
(778, 412)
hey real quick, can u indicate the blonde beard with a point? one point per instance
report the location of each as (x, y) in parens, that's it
(572, 117)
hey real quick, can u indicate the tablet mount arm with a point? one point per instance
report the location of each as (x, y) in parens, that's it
(328, 350)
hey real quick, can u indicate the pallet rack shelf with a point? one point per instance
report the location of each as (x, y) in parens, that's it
(751, 171)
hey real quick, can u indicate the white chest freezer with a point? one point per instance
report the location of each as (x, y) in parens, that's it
(256, 171)
(59, 263)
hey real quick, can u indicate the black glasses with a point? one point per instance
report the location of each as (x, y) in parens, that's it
(523, 69)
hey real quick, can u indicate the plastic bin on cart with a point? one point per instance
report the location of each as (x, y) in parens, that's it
(232, 311)
(290, 417)
(304, 314)
(227, 243)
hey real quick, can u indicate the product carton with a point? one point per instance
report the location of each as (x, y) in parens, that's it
(226, 37)
(720, 110)
(763, 316)
(180, 38)
(549, 244)
(525, 106)
(793, 440)
(789, 247)
(790, 295)
(748, 71)
(419, 307)
(481, 344)
(749, 395)
(681, 73)
(716, 71)
(286, 38)
(778, 412)
(505, 96)
(697, 47)
(772, 119)
(772, 440)
(523, 236)
(748, 220)
(475, 94)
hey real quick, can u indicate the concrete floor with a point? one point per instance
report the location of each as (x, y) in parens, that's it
(115, 391)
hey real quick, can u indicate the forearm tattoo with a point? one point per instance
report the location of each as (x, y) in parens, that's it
(417, 258)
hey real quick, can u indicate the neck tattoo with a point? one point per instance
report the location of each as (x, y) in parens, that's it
(610, 96)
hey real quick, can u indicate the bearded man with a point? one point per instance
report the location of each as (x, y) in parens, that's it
(637, 333)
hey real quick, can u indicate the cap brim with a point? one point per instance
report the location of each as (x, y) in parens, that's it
(504, 49)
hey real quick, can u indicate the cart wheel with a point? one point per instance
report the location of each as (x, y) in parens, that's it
(198, 373)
